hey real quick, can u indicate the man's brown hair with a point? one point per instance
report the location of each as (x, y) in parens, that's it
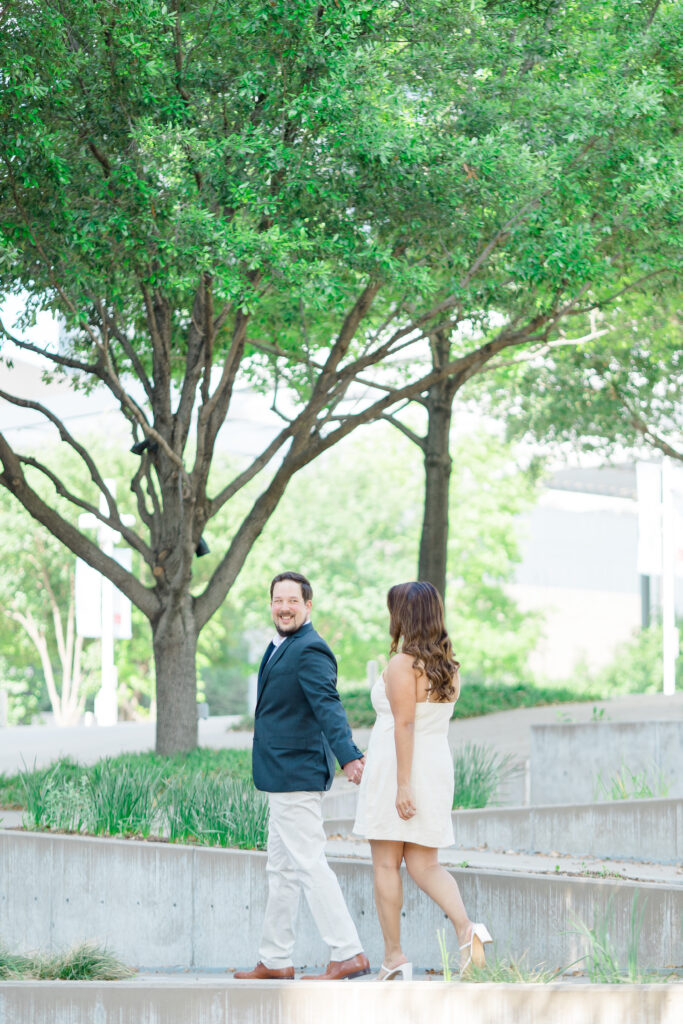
(297, 577)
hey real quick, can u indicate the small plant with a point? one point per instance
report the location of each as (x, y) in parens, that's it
(598, 715)
(12, 965)
(628, 785)
(602, 962)
(121, 798)
(54, 797)
(86, 962)
(445, 955)
(478, 772)
(511, 972)
(216, 811)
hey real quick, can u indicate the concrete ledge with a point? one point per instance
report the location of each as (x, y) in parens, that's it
(567, 759)
(161, 905)
(643, 830)
(209, 1002)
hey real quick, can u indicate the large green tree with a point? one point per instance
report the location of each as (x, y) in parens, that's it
(209, 190)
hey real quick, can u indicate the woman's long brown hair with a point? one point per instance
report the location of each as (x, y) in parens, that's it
(417, 621)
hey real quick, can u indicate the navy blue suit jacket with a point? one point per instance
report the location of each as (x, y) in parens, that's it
(300, 723)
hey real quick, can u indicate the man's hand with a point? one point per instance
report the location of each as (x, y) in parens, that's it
(353, 770)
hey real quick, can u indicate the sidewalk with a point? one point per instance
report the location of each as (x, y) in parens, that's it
(507, 731)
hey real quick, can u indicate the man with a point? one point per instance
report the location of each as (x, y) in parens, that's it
(300, 727)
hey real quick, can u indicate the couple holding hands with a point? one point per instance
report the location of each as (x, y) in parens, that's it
(406, 780)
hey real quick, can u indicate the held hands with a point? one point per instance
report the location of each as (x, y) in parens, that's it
(353, 770)
(405, 802)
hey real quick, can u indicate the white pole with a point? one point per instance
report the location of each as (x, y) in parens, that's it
(106, 705)
(669, 631)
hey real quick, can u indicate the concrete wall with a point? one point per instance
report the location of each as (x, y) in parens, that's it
(417, 1002)
(643, 830)
(161, 905)
(566, 760)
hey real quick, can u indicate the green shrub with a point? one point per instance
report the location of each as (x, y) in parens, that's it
(476, 698)
(121, 797)
(54, 797)
(86, 962)
(478, 772)
(628, 785)
(204, 797)
(215, 812)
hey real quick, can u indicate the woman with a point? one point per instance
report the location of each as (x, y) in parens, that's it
(406, 794)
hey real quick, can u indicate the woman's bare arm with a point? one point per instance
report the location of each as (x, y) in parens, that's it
(400, 682)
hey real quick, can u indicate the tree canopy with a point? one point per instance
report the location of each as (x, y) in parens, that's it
(216, 191)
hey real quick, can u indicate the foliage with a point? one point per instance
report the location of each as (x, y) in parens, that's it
(479, 771)
(290, 193)
(603, 397)
(602, 961)
(84, 962)
(444, 954)
(37, 616)
(628, 785)
(511, 972)
(636, 666)
(476, 698)
(217, 812)
(205, 797)
(364, 537)
(120, 798)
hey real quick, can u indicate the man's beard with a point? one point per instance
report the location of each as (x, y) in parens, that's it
(286, 632)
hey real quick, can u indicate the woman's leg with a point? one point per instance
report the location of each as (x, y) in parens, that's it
(424, 868)
(387, 856)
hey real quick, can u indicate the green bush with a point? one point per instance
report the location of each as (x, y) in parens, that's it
(86, 962)
(215, 812)
(476, 698)
(478, 772)
(121, 797)
(204, 797)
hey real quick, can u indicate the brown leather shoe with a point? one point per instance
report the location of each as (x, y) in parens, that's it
(338, 970)
(261, 972)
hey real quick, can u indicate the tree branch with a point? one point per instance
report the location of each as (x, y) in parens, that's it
(421, 442)
(14, 480)
(114, 520)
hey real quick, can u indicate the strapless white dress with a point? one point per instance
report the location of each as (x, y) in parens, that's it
(431, 777)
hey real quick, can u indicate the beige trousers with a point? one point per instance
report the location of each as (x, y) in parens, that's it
(296, 863)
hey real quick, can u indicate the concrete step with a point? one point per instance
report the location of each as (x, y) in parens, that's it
(642, 830)
(164, 905)
(510, 861)
(201, 1000)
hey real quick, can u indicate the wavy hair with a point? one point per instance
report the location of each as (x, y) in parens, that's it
(417, 621)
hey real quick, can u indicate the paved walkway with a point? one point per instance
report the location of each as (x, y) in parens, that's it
(507, 731)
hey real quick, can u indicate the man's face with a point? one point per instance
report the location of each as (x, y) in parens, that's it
(288, 608)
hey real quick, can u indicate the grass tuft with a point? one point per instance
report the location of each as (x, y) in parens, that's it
(511, 972)
(602, 961)
(629, 785)
(479, 770)
(85, 962)
(216, 812)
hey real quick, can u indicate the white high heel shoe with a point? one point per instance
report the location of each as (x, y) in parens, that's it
(475, 957)
(392, 973)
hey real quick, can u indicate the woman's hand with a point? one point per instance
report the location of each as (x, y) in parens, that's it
(405, 803)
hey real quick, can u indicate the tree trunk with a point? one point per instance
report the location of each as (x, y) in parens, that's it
(175, 650)
(437, 461)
